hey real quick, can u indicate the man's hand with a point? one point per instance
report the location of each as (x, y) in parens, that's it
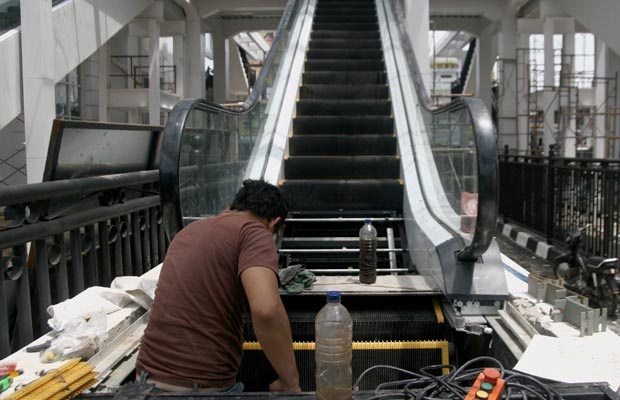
(279, 386)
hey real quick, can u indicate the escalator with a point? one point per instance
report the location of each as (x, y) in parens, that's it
(340, 120)
(342, 164)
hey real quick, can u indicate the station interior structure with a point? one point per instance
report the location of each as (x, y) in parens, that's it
(125, 120)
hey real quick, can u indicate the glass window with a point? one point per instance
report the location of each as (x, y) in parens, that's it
(584, 59)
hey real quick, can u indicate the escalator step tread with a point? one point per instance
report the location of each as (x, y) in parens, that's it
(337, 54)
(344, 194)
(343, 124)
(343, 107)
(344, 18)
(303, 145)
(342, 167)
(344, 65)
(339, 91)
(344, 35)
(346, 26)
(344, 77)
(345, 43)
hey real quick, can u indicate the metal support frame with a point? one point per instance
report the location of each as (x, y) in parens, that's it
(569, 307)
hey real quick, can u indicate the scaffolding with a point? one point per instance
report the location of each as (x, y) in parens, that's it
(579, 116)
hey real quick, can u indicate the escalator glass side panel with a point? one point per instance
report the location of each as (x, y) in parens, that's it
(454, 149)
(206, 147)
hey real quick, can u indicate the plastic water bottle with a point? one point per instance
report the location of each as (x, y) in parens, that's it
(333, 337)
(368, 253)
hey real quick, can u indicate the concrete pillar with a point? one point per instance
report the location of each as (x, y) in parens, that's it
(548, 94)
(133, 49)
(417, 19)
(104, 73)
(507, 101)
(221, 75)
(613, 71)
(38, 76)
(178, 49)
(89, 88)
(195, 59)
(599, 145)
(569, 111)
(484, 67)
(522, 93)
(154, 84)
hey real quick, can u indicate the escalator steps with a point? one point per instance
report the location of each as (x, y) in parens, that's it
(342, 167)
(256, 372)
(329, 124)
(341, 194)
(344, 77)
(369, 325)
(322, 107)
(345, 43)
(345, 145)
(362, 91)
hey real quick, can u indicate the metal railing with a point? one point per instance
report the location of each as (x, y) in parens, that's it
(553, 195)
(136, 68)
(81, 227)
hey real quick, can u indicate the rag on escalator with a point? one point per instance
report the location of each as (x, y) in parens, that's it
(296, 278)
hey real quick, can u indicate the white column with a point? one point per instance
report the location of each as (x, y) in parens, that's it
(613, 71)
(507, 106)
(484, 67)
(417, 19)
(133, 49)
(104, 72)
(195, 59)
(178, 49)
(522, 93)
(220, 65)
(570, 112)
(600, 98)
(89, 88)
(548, 94)
(154, 84)
(37, 42)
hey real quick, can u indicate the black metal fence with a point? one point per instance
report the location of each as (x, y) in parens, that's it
(82, 227)
(553, 195)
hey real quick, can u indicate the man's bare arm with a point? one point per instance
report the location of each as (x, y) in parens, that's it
(271, 326)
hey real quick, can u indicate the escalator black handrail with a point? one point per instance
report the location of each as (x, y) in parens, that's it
(486, 149)
(177, 119)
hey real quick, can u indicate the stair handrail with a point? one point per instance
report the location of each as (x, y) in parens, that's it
(486, 151)
(178, 117)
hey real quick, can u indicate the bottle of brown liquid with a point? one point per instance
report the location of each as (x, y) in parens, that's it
(368, 253)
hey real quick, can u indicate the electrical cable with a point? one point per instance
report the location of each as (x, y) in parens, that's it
(357, 382)
(456, 384)
(549, 391)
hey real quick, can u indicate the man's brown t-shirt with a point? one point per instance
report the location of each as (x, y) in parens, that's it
(194, 334)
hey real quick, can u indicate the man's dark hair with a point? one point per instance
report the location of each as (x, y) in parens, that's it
(261, 199)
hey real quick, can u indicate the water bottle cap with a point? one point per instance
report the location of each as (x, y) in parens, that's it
(367, 221)
(333, 296)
